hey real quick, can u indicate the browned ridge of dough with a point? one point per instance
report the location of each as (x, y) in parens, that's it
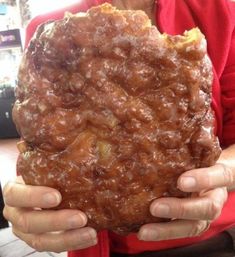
(112, 112)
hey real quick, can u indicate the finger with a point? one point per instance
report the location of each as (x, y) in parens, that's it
(59, 242)
(37, 222)
(206, 207)
(20, 195)
(219, 175)
(172, 230)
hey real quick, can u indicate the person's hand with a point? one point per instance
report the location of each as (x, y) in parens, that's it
(45, 230)
(192, 216)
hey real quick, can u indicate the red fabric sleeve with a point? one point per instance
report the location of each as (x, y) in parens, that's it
(228, 97)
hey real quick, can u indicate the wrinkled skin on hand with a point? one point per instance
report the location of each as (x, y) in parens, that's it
(112, 112)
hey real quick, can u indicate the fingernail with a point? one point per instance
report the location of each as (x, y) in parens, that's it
(77, 220)
(90, 235)
(148, 235)
(51, 199)
(161, 210)
(188, 182)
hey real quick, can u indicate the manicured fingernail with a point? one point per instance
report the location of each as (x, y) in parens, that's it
(188, 182)
(161, 210)
(51, 198)
(148, 235)
(77, 220)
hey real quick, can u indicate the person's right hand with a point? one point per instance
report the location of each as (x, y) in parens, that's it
(45, 230)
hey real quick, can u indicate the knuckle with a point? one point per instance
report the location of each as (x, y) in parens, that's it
(181, 211)
(14, 231)
(56, 222)
(197, 228)
(5, 213)
(36, 243)
(23, 224)
(214, 210)
(225, 194)
(228, 174)
(7, 192)
(29, 195)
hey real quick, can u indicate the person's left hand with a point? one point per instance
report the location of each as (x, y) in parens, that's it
(192, 216)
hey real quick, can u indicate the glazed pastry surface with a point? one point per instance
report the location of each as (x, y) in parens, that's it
(111, 112)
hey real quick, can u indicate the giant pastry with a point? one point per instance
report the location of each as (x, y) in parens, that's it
(111, 112)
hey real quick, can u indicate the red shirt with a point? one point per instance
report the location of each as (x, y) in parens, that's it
(216, 19)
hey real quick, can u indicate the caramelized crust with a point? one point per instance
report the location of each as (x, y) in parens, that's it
(112, 112)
